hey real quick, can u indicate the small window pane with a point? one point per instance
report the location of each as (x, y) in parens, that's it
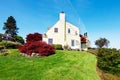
(50, 41)
(68, 30)
(55, 29)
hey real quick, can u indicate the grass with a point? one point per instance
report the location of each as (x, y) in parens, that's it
(93, 51)
(13, 52)
(64, 65)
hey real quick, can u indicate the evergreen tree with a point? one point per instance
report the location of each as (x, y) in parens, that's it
(10, 26)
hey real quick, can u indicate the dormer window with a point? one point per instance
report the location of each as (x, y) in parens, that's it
(68, 30)
(55, 30)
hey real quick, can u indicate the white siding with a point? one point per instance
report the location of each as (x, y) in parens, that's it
(72, 35)
(58, 37)
(62, 36)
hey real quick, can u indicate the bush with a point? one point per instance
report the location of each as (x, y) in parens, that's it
(109, 60)
(34, 37)
(66, 47)
(1, 47)
(0, 37)
(10, 44)
(57, 46)
(39, 47)
(4, 52)
(19, 39)
(35, 45)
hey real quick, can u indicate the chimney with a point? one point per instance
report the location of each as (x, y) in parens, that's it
(62, 16)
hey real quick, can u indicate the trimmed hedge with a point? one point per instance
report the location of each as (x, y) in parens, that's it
(109, 60)
(57, 46)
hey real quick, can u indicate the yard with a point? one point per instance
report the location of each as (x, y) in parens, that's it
(64, 65)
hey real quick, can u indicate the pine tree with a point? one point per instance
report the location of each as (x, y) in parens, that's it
(10, 26)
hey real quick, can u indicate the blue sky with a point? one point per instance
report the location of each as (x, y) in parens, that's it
(100, 18)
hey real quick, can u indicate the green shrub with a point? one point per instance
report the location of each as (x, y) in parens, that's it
(19, 39)
(4, 52)
(0, 37)
(66, 47)
(109, 60)
(57, 46)
(1, 47)
(89, 47)
(10, 52)
(10, 44)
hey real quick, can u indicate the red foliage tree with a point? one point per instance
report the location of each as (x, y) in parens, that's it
(34, 37)
(34, 44)
(83, 38)
(40, 47)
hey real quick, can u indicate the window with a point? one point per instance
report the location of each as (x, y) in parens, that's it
(72, 43)
(68, 30)
(76, 33)
(56, 30)
(50, 41)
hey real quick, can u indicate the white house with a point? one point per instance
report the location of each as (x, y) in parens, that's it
(63, 33)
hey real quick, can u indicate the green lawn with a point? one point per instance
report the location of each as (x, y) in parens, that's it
(64, 65)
